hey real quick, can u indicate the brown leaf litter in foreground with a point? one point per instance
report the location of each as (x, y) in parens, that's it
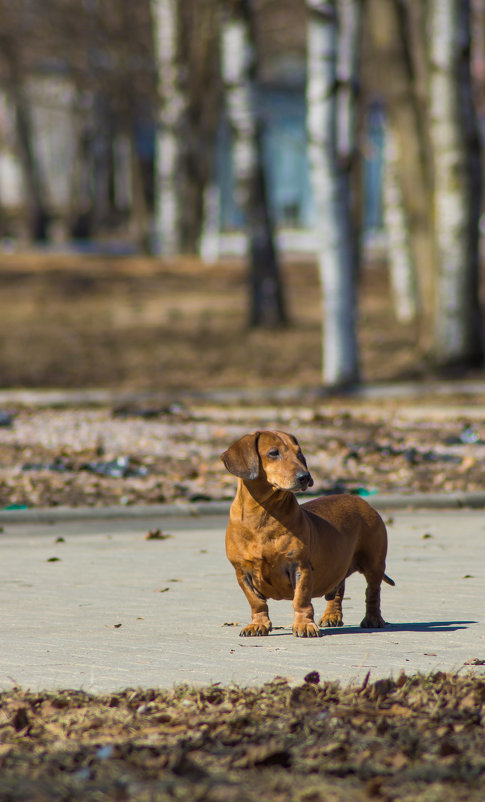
(417, 738)
(96, 457)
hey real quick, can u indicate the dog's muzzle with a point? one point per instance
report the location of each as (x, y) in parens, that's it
(304, 480)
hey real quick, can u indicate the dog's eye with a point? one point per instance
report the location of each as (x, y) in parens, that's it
(273, 453)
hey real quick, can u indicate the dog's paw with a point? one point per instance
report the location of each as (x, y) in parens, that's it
(374, 621)
(331, 620)
(307, 630)
(255, 630)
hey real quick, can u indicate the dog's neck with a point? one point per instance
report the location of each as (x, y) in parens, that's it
(254, 496)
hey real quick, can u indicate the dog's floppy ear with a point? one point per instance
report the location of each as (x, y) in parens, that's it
(242, 458)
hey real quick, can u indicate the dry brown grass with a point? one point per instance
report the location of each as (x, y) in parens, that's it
(140, 323)
(419, 739)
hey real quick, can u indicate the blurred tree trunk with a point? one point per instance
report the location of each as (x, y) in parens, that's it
(80, 212)
(457, 186)
(239, 71)
(332, 57)
(35, 189)
(101, 152)
(398, 50)
(402, 268)
(200, 42)
(139, 205)
(169, 136)
(209, 241)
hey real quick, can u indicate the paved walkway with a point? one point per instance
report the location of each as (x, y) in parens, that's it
(114, 609)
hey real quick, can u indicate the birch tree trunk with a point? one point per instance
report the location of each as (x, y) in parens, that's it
(34, 183)
(456, 153)
(399, 54)
(401, 264)
(239, 68)
(200, 24)
(139, 209)
(209, 241)
(169, 136)
(331, 57)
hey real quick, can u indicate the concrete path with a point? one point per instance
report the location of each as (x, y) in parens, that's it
(104, 608)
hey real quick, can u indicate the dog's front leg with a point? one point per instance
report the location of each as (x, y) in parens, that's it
(260, 624)
(303, 624)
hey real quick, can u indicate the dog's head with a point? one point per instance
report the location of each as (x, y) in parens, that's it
(272, 456)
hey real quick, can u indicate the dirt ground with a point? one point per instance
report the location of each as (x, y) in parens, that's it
(419, 739)
(85, 321)
(149, 326)
(145, 454)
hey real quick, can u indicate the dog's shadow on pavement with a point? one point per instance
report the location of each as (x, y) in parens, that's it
(407, 626)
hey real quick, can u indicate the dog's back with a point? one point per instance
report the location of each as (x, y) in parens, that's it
(348, 514)
(359, 524)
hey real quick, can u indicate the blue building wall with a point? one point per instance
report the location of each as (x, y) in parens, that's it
(283, 112)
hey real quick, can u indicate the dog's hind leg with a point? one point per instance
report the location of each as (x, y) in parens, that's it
(373, 618)
(332, 616)
(372, 563)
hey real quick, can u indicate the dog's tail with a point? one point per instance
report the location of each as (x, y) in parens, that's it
(389, 580)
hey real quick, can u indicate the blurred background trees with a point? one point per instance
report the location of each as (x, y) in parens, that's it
(140, 125)
(241, 76)
(333, 50)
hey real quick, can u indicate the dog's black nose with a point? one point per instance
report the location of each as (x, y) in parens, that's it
(305, 478)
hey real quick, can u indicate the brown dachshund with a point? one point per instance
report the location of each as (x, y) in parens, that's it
(283, 550)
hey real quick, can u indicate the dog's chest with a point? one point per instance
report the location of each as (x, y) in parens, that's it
(268, 561)
(274, 574)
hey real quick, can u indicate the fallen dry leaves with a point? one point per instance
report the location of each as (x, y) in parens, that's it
(417, 738)
(72, 457)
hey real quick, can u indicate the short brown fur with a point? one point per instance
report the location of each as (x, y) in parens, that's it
(283, 550)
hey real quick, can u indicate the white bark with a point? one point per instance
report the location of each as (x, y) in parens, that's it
(401, 266)
(401, 61)
(347, 61)
(169, 131)
(236, 57)
(331, 186)
(210, 238)
(239, 72)
(455, 208)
